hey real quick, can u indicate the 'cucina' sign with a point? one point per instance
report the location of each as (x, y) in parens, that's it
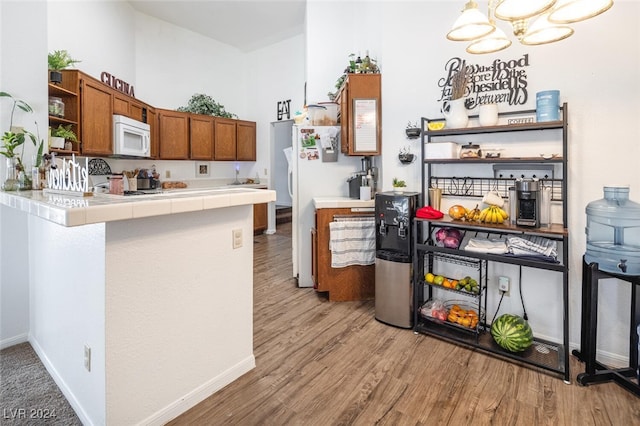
(116, 83)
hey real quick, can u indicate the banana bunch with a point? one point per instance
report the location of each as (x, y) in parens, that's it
(493, 214)
(473, 215)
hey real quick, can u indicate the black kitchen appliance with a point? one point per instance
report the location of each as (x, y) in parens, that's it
(528, 198)
(394, 244)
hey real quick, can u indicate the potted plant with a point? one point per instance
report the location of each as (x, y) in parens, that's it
(12, 141)
(61, 134)
(59, 60)
(206, 105)
(398, 185)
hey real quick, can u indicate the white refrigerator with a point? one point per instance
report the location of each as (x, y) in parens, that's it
(314, 172)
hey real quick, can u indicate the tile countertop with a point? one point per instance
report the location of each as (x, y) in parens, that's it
(341, 202)
(67, 210)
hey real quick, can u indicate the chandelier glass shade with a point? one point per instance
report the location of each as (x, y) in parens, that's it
(533, 22)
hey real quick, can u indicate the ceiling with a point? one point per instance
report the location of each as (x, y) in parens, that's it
(244, 24)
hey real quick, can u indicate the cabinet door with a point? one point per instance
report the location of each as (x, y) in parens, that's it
(136, 111)
(97, 120)
(225, 139)
(121, 104)
(201, 137)
(246, 142)
(174, 135)
(152, 120)
(364, 87)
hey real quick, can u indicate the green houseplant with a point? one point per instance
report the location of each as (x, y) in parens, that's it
(59, 60)
(12, 141)
(61, 134)
(398, 185)
(206, 105)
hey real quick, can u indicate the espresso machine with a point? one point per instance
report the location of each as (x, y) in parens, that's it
(394, 246)
(528, 199)
(355, 181)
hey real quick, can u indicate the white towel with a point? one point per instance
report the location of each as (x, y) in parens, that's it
(532, 245)
(482, 245)
(352, 243)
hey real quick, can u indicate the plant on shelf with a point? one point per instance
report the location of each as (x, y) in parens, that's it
(61, 134)
(398, 184)
(206, 105)
(12, 141)
(58, 61)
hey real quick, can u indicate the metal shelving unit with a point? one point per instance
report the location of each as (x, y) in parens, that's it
(545, 355)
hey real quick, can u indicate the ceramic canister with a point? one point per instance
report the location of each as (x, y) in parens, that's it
(548, 105)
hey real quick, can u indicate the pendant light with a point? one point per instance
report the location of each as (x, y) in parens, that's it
(542, 32)
(471, 25)
(511, 10)
(494, 42)
(567, 11)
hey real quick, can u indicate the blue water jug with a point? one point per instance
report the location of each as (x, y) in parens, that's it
(613, 232)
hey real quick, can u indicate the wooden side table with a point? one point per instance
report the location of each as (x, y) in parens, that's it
(596, 372)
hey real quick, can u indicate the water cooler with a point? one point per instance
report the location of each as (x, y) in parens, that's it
(394, 246)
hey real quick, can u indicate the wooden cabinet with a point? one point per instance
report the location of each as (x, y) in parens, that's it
(260, 219)
(152, 120)
(246, 140)
(361, 89)
(201, 137)
(67, 91)
(97, 120)
(129, 107)
(225, 139)
(234, 140)
(173, 129)
(351, 283)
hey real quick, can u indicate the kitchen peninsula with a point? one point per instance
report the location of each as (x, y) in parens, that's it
(141, 307)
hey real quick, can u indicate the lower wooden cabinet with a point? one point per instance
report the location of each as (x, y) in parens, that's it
(260, 218)
(343, 284)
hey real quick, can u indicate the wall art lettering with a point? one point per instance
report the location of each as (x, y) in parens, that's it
(116, 83)
(501, 82)
(284, 108)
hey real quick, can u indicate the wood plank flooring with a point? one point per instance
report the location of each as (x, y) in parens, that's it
(332, 363)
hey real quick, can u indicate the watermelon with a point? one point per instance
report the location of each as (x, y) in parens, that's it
(512, 333)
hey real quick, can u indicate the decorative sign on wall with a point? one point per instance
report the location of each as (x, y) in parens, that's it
(501, 82)
(116, 83)
(70, 177)
(284, 108)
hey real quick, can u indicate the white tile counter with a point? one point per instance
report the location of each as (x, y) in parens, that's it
(69, 210)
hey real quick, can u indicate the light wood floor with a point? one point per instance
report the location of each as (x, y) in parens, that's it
(322, 363)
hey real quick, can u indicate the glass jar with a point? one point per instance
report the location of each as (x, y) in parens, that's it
(11, 177)
(470, 150)
(56, 107)
(613, 232)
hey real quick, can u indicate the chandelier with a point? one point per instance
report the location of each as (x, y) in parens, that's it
(533, 22)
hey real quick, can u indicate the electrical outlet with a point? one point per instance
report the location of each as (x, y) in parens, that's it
(237, 238)
(87, 357)
(503, 285)
(167, 174)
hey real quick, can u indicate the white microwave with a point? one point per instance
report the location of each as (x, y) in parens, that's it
(131, 138)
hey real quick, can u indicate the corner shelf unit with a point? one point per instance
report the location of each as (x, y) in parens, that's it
(72, 105)
(545, 355)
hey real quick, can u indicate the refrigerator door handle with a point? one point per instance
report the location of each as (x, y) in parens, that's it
(289, 181)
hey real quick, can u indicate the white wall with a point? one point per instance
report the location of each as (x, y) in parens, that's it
(18, 72)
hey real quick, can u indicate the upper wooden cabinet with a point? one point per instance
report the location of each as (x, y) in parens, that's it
(201, 137)
(173, 134)
(225, 139)
(246, 140)
(97, 118)
(130, 107)
(235, 140)
(360, 99)
(152, 120)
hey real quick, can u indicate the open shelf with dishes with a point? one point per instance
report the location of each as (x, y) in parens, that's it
(461, 178)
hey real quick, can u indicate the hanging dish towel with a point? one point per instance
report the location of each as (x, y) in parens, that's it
(352, 243)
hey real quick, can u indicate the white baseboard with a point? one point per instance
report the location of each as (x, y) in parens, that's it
(64, 388)
(201, 393)
(11, 341)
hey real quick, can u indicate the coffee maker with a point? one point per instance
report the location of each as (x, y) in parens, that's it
(528, 199)
(394, 245)
(356, 181)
